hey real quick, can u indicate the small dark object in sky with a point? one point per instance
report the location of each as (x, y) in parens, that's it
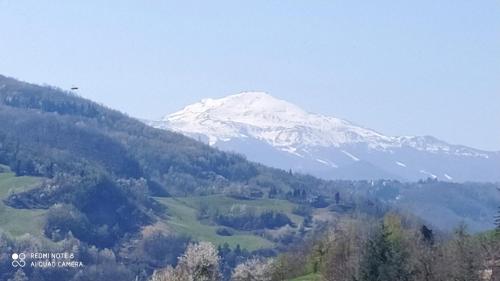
(74, 88)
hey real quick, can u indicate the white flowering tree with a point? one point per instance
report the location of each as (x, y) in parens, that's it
(200, 262)
(253, 270)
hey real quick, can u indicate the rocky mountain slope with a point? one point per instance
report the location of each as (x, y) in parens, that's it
(283, 135)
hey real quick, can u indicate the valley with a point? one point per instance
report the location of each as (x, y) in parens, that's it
(77, 176)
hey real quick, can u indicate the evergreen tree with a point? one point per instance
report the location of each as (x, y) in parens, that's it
(337, 198)
(427, 234)
(384, 259)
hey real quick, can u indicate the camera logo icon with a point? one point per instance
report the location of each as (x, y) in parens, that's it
(18, 260)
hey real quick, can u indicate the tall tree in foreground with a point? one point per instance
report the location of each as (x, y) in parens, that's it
(464, 257)
(496, 255)
(342, 259)
(386, 257)
(424, 255)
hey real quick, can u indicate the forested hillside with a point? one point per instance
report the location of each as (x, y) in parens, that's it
(127, 199)
(105, 182)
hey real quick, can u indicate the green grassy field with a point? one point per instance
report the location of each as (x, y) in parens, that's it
(224, 203)
(183, 211)
(183, 220)
(18, 221)
(309, 277)
(183, 214)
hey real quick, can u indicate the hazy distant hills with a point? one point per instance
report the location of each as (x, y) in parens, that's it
(280, 134)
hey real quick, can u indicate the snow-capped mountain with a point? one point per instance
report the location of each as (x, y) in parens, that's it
(278, 133)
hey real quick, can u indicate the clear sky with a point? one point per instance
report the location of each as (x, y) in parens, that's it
(422, 67)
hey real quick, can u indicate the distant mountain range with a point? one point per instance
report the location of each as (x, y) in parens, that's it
(280, 134)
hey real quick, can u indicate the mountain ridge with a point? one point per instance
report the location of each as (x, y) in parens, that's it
(289, 129)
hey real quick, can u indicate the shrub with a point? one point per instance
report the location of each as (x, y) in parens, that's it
(224, 231)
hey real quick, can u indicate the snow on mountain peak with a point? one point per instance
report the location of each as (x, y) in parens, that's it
(281, 134)
(286, 126)
(262, 116)
(251, 108)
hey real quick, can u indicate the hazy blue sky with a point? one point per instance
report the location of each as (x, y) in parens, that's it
(401, 67)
